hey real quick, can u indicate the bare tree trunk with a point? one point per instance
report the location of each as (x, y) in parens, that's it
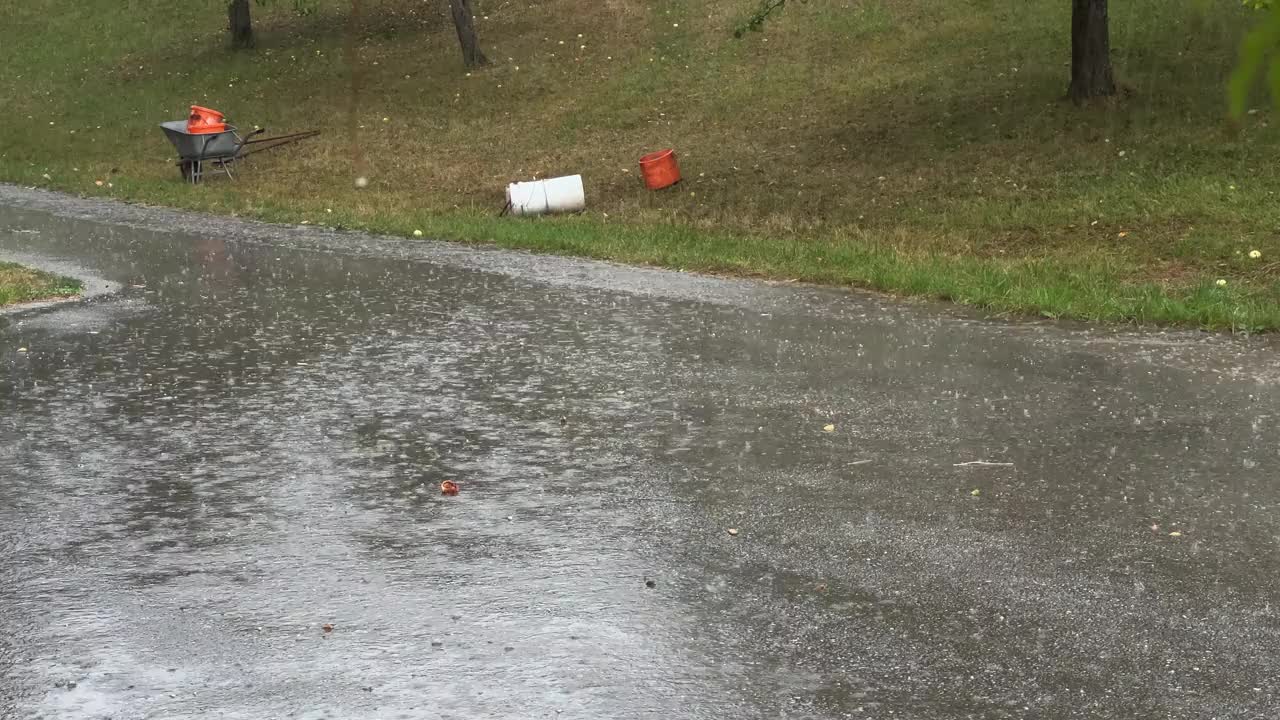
(1091, 75)
(240, 24)
(472, 56)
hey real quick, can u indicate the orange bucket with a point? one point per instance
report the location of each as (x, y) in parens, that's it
(203, 120)
(660, 169)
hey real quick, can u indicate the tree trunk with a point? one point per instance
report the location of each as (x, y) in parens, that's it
(1090, 51)
(240, 24)
(472, 56)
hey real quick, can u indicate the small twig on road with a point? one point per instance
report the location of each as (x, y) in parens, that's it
(983, 463)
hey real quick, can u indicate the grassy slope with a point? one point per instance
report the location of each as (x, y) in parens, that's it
(916, 146)
(21, 284)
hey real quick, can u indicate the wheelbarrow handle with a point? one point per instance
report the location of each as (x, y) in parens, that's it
(242, 140)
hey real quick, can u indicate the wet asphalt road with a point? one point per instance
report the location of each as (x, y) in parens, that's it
(244, 443)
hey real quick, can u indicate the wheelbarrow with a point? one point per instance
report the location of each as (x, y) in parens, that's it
(221, 149)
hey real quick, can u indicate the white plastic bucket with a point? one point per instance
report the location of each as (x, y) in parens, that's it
(562, 194)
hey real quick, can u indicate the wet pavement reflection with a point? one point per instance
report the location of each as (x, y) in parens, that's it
(937, 516)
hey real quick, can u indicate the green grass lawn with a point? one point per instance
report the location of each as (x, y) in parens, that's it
(22, 284)
(915, 146)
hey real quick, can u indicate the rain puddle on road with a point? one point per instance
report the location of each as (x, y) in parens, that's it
(222, 494)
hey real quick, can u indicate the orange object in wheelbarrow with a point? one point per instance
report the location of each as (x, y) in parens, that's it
(660, 169)
(203, 120)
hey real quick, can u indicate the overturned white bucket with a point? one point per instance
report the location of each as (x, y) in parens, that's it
(553, 195)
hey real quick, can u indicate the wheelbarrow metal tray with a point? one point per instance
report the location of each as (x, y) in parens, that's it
(201, 146)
